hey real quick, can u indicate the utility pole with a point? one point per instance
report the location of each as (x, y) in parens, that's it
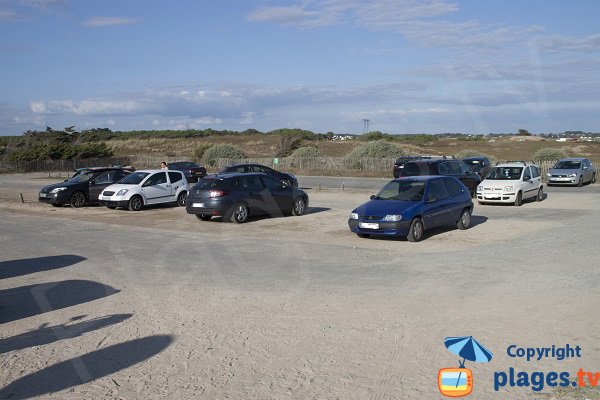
(365, 126)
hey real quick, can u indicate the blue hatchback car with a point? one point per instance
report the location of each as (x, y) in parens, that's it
(409, 206)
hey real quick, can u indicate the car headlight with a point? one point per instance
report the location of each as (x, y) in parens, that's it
(58, 189)
(572, 175)
(479, 188)
(509, 188)
(353, 215)
(392, 217)
(548, 174)
(122, 192)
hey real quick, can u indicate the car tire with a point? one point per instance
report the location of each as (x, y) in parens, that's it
(299, 206)
(56, 204)
(416, 230)
(77, 199)
(593, 179)
(519, 200)
(136, 203)
(181, 199)
(580, 182)
(464, 222)
(540, 194)
(204, 217)
(363, 235)
(239, 213)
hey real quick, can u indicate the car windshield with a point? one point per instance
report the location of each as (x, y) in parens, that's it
(568, 165)
(134, 179)
(209, 184)
(82, 176)
(404, 190)
(505, 173)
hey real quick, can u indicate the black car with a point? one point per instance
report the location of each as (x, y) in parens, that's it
(237, 196)
(288, 179)
(83, 188)
(191, 170)
(399, 164)
(481, 165)
(444, 166)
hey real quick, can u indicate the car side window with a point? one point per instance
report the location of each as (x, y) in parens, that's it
(119, 175)
(157, 179)
(526, 174)
(464, 168)
(238, 169)
(453, 187)
(271, 184)
(258, 168)
(535, 172)
(586, 163)
(437, 190)
(454, 167)
(103, 178)
(251, 183)
(175, 177)
(444, 168)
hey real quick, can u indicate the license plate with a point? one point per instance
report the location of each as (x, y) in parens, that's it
(368, 225)
(43, 195)
(198, 205)
(106, 198)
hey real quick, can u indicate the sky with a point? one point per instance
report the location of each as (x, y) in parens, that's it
(407, 66)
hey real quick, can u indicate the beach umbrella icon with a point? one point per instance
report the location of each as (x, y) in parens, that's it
(467, 348)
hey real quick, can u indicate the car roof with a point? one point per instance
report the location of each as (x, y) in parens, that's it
(423, 178)
(573, 159)
(475, 158)
(152, 171)
(227, 175)
(513, 164)
(431, 161)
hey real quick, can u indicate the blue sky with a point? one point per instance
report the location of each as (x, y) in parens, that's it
(408, 66)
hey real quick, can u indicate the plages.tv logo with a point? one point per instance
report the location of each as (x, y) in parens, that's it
(458, 382)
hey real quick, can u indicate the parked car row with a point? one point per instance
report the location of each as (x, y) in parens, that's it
(428, 192)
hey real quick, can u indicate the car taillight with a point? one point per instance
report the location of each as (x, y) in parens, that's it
(216, 193)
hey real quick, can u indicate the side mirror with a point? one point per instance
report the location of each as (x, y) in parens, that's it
(65, 180)
(585, 168)
(372, 197)
(147, 183)
(432, 200)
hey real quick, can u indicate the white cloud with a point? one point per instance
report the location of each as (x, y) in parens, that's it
(8, 15)
(555, 44)
(97, 22)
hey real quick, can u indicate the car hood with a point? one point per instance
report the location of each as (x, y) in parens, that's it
(67, 184)
(499, 183)
(118, 186)
(385, 207)
(554, 171)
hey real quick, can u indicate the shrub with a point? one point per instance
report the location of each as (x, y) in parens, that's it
(548, 154)
(222, 151)
(378, 149)
(199, 151)
(307, 151)
(287, 144)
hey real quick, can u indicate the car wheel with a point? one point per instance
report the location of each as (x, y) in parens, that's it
(299, 206)
(182, 198)
(77, 200)
(136, 203)
(540, 195)
(580, 182)
(465, 219)
(416, 230)
(593, 179)
(519, 200)
(240, 213)
(363, 235)
(204, 217)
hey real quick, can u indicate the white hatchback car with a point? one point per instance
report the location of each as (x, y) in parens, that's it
(511, 182)
(146, 187)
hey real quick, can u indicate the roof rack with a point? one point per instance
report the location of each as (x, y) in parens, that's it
(423, 157)
(515, 162)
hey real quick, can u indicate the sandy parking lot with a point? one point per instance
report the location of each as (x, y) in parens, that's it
(98, 303)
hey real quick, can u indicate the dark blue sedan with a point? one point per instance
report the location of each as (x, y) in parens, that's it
(409, 206)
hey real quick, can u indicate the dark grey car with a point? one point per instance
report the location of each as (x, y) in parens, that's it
(572, 171)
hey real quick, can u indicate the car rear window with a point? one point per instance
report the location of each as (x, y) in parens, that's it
(175, 176)
(210, 183)
(413, 169)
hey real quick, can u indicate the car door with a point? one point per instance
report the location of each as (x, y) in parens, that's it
(436, 204)
(99, 183)
(251, 187)
(277, 197)
(177, 180)
(586, 170)
(157, 189)
(457, 198)
(530, 186)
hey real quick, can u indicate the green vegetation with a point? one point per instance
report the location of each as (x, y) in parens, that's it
(217, 151)
(378, 149)
(307, 151)
(199, 151)
(548, 154)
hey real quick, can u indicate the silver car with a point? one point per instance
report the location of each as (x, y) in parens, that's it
(572, 171)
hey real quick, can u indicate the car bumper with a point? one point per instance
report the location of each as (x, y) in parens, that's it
(114, 203)
(563, 181)
(399, 228)
(211, 207)
(53, 198)
(495, 197)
